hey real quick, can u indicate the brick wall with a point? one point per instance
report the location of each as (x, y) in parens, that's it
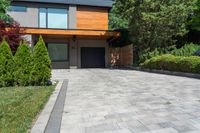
(121, 56)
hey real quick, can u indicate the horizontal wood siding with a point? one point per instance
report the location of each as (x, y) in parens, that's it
(95, 18)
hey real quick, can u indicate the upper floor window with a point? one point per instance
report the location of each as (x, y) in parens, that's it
(53, 18)
(18, 9)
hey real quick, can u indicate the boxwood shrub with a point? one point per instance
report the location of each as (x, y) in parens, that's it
(190, 64)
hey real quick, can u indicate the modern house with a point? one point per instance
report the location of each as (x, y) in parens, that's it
(75, 31)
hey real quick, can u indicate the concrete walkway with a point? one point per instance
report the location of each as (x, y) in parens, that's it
(127, 101)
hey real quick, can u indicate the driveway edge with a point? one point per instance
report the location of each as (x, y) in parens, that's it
(42, 121)
(173, 73)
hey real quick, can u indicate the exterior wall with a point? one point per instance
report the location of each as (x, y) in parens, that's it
(73, 54)
(29, 38)
(26, 19)
(95, 18)
(121, 56)
(72, 16)
(79, 17)
(31, 17)
(92, 43)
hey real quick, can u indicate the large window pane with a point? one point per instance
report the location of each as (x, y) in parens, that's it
(58, 52)
(42, 19)
(57, 18)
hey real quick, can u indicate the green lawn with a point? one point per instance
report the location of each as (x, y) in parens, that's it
(19, 107)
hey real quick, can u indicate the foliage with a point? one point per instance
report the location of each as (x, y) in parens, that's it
(116, 20)
(2, 70)
(42, 64)
(187, 50)
(4, 6)
(20, 105)
(147, 53)
(6, 65)
(154, 23)
(13, 36)
(23, 65)
(26, 68)
(189, 64)
(195, 21)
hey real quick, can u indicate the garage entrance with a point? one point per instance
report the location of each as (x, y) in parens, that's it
(92, 57)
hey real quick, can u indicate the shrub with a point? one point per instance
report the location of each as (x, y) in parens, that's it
(187, 50)
(7, 64)
(189, 64)
(42, 67)
(148, 54)
(23, 65)
(2, 70)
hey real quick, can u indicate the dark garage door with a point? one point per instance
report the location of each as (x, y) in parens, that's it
(92, 57)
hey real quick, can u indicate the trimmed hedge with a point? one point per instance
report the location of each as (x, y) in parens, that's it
(190, 64)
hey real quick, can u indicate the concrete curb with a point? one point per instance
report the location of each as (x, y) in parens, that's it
(189, 75)
(42, 121)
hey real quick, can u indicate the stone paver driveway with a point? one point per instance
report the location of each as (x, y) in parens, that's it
(126, 101)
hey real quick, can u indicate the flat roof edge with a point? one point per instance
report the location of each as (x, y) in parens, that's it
(98, 3)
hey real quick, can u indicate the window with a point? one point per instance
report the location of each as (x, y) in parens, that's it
(53, 18)
(43, 18)
(18, 9)
(58, 52)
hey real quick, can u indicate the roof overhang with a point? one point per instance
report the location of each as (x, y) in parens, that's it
(71, 32)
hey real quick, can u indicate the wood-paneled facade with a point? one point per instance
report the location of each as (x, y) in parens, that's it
(95, 18)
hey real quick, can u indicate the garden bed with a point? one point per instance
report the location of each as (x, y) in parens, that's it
(20, 105)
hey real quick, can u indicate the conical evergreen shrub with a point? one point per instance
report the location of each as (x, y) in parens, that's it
(7, 64)
(2, 70)
(23, 65)
(42, 64)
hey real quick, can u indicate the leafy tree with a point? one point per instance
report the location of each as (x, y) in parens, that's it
(116, 20)
(195, 21)
(42, 64)
(13, 36)
(7, 63)
(4, 6)
(154, 23)
(23, 65)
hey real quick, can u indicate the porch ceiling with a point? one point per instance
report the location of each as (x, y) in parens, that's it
(69, 33)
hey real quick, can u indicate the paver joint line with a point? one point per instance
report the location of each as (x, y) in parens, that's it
(54, 123)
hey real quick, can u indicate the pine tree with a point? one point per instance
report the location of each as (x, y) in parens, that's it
(23, 65)
(7, 64)
(42, 63)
